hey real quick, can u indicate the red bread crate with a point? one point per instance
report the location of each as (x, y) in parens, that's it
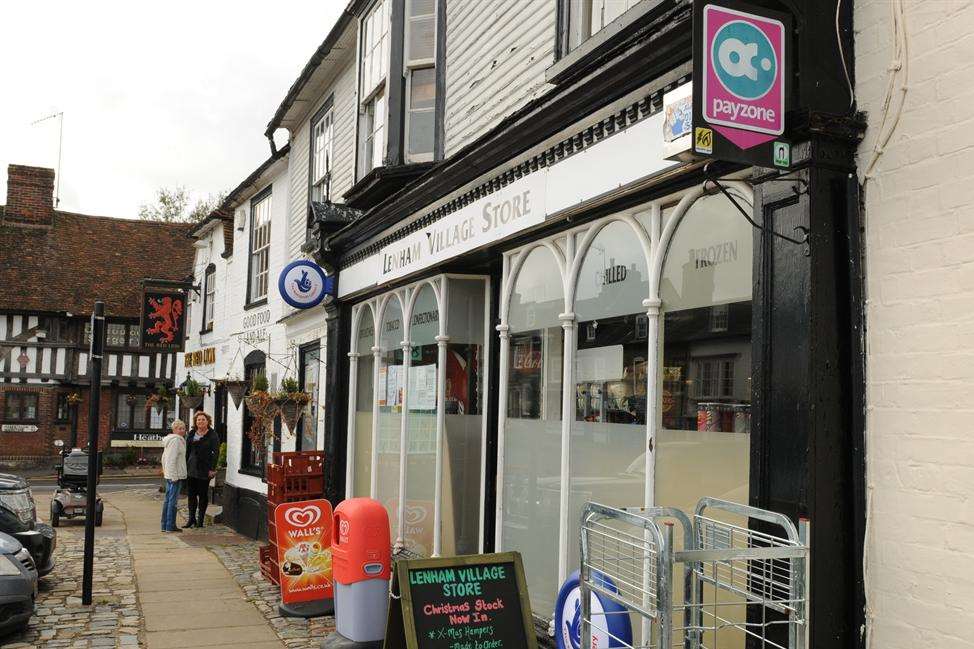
(275, 474)
(268, 564)
(301, 462)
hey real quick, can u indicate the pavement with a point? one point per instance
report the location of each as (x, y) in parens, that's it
(200, 588)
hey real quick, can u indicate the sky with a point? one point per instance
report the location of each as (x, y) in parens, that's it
(153, 94)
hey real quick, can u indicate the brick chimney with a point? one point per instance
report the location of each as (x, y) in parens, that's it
(30, 196)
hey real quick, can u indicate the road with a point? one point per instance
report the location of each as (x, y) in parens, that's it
(108, 484)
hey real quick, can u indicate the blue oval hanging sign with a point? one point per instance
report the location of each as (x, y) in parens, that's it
(302, 284)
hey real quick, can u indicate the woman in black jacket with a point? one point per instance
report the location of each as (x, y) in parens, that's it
(202, 451)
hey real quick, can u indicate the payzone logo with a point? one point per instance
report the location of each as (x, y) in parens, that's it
(744, 60)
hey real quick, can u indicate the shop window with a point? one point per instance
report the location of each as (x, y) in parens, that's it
(135, 336)
(130, 413)
(115, 335)
(20, 406)
(362, 460)
(608, 441)
(322, 128)
(582, 19)
(260, 245)
(705, 400)
(464, 406)
(209, 298)
(307, 439)
(424, 327)
(63, 409)
(389, 397)
(531, 488)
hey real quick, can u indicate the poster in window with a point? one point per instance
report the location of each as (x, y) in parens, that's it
(163, 321)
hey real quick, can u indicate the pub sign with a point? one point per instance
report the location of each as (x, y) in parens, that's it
(163, 319)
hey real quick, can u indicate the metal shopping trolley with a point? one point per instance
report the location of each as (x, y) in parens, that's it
(729, 577)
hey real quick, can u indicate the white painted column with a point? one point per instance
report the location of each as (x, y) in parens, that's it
(504, 332)
(373, 475)
(441, 343)
(567, 416)
(652, 417)
(407, 361)
(350, 424)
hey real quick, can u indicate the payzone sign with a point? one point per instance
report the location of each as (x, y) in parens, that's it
(740, 74)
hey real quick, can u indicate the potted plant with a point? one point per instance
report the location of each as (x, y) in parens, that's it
(191, 394)
(262, 408)
(236, 388)
(291, 400)
(221, 467)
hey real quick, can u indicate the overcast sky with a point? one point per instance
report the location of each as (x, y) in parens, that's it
(153, 94)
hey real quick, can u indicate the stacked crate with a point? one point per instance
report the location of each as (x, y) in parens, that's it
(291, 477)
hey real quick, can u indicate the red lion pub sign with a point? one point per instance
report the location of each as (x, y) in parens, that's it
(163, 319)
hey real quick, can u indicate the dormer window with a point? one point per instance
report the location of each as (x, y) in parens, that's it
(586, 18)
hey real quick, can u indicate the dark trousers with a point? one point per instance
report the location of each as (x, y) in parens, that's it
(197, 490)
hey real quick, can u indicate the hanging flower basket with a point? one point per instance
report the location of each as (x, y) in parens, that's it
(236, 388)
(159, 399)
(260, 404)
(191, 401)
(75, 398)
(291, 402)
(190, 393)
(291, 406)
(130, 399)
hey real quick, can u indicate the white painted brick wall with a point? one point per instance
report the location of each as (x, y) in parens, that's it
(919, 219)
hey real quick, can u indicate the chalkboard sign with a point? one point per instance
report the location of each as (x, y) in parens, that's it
(471, 602)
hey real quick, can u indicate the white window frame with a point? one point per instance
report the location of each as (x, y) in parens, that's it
(410, 66)
(373, 132)
(586, 18)
(569, 249)
(322, 152)
(260, 244)
(406, 296)
(209, 298)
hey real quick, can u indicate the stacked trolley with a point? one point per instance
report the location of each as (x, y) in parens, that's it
(291, 477)
(728, 577)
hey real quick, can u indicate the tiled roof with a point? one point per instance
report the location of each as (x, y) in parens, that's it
(86, 258)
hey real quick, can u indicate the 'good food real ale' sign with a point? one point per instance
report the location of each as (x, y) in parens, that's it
(741, 70)
(304, 550)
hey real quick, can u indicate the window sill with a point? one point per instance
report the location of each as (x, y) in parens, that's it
(255, 304)
(209, 329)
(608, 38)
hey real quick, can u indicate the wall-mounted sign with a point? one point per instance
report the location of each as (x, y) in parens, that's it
(518, 206)
(163, 319)
(740, 94)
(302, 284)
(200, 357)
(254, 326)
(19, 428)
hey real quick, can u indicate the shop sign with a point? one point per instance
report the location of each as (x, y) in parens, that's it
(304, 531)
(474, 601)
(303, 284)
(740, 94)
(163, 319)
(137, 437)
(200, 357)
(516, 207)
(19, 428)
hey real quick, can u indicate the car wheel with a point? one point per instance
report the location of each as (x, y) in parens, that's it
(55, 515)
(98, 517)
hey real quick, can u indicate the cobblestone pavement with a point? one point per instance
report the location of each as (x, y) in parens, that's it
(241, 559)
(60, 620)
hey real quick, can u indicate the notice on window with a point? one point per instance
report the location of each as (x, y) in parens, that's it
(394, 381)
(422, 387)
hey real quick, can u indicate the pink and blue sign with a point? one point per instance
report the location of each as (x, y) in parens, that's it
(743, 76)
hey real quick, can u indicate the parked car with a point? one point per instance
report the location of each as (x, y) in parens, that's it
(18, 585)
(18, 518)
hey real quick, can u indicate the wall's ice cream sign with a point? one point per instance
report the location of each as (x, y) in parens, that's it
(743, 75)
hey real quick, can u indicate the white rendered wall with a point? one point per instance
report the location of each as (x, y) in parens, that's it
(919, 217)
